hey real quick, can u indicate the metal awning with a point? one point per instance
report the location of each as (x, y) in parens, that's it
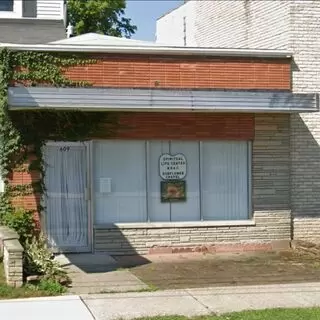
(104, 99)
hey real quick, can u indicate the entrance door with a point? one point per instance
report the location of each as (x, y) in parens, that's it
(66, 218)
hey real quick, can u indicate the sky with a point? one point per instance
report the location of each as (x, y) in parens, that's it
(144, 14)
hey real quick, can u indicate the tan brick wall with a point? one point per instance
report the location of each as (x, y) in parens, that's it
(271, 162)
(269, 226)
(270, 196)
(12, 253)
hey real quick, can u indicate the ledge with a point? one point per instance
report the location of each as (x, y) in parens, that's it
(7, 234)
(162, 225)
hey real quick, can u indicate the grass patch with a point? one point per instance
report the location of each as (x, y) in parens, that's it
(43, 288)
(150, 288)
(268, 314)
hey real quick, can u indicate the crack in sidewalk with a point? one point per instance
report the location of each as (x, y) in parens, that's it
(200, 302)
(92, 315)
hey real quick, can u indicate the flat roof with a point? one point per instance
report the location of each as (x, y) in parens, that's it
(92, 42)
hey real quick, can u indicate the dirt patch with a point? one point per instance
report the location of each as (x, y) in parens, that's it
(207, 270)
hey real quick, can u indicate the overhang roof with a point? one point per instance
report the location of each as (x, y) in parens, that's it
(92, 42)
(105, 99)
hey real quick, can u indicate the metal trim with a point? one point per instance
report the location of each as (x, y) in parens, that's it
(94, 99)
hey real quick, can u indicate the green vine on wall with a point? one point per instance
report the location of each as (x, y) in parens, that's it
(24, 133)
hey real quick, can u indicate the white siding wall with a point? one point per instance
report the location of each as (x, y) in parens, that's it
(170, 27)
(50, 9)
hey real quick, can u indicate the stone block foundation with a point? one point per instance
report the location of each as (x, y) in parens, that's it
(266, 231)
(12, 253)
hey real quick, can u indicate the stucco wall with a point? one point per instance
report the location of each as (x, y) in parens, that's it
(235, 24)
(178, 27)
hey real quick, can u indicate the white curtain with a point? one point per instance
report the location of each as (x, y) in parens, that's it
(123, 164)
(224, 180)
(66, 211)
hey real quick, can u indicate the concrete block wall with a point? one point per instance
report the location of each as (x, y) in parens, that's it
(271, 217)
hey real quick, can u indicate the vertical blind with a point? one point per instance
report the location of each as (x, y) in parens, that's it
(217, 181)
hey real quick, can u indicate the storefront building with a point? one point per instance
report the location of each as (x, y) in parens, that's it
(199, 160)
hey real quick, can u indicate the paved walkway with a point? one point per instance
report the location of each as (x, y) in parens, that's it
(97, 273)
(189, 302)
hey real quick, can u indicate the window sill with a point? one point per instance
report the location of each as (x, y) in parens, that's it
(191, 224)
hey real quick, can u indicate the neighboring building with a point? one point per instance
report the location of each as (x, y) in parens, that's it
(32, 21)
(291, 25)
(200, 160)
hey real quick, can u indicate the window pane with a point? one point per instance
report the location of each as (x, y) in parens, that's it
(224, 180)
(157, 210)
(119, 172)
(188, 210)
(6, 5)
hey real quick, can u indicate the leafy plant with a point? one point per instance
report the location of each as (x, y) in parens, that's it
(39, 260)
(101, 16)
(51, 287)
(22, 222)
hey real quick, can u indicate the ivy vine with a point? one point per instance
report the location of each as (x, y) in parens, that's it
(24, 133)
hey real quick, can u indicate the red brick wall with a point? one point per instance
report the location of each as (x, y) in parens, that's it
(183, 126)
(30, 201)
(184, 72)
(155, 125)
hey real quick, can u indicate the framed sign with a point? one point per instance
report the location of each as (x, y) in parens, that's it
(173, 191)
(172, 167)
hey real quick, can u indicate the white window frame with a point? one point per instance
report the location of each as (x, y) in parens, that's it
(171, 224)
(16, 13)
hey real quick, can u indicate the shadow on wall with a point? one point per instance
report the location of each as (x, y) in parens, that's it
(305, 165)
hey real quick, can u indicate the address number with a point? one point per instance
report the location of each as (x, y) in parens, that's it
(63, 149)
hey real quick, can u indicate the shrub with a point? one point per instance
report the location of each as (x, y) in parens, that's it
(51, 286)
(22, 222)
(38, 259)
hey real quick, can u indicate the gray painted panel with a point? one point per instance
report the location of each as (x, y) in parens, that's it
(29, 9)
(134, 99)
(31, 31)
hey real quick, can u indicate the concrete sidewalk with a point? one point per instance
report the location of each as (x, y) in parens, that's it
(190, 302)
(46, 308)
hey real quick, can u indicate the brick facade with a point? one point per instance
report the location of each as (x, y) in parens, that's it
(270, 229)
(183, 126)
(292, 25)
(153, 125)
(128, 71)
(268, 133)
(270, 203)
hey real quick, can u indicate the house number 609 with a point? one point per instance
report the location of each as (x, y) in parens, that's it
(64, 148)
